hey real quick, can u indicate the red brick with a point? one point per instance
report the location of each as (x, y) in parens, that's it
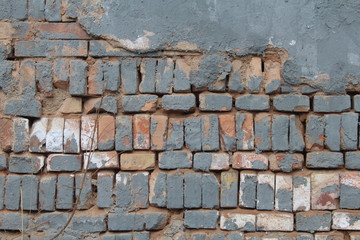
(246, 160)
(141, 131)
(158, 127)
(95, 79)
(227, 132)
(106, 133)
(6, 134)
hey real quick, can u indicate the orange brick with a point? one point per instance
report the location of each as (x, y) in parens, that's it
(6, 134)
(106, 133)
(246, 160)
(137, 161)
(141, 131)
(158, 132)
(227, 132)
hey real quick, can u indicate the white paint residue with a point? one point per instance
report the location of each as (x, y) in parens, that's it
(142, 42)
(354, 59)
(292, 43)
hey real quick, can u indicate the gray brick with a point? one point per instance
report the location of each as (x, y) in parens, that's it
(26, 79)
(192, 190)
(140, 190)
(19, 9)
(305, 236)
(37, 9)
(139, 103)
(296, 134)
(352, 160)
(123, 135)
(210, 132)
(244, 131)
(3, 161)
(38, 136)
(254, 83)
(23, 107)
(217, 236)
(313, 221)
(129, 77)
(175, 137)
(85, 198)
(332, 131)
(198, 236)
(324, 160)
(273, 86)
(44, 77)
(158, 189)
(349, 191)
(30, 185)
(179, 102)
(215, 102)
(121, 222)
(263, 131)
(280, 133)
(78, 77)
(292, 103)
(2, 190)
(52, 10)
(265, 191)
(156, 220)
(235, 236)
(61, 72)
(141, 236)
(107, 103)
(164, 76)
(51, 221)
(64, 163)
(6, 77)
(13, 221)
(123, 189)
(210, 191)
(202, 161)
(193, 136)
(357, 103)
(65, 191)
(88, 223)
(248, 184)
(25, 163)
(105, 189)
(349, 131)
(47, 188)
(181, 76)
(236, 82)
(201, 219)
(331, 103)
(175, 159)
(112, 75)
(148, 71)
(252, 102)
(12, 192)
(229, 189)
(175, 191)
(315, 130)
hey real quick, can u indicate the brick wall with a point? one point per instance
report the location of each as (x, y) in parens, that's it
(132, 146)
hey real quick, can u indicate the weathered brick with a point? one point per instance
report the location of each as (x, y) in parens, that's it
(263, 131)
(106, 135)
(51, 48)
(63, 163)
(47, 188)
(296, 134)
(283, 193)
(55, 135)
(29, 188)
(140, 190)
(44, 77)
(137, 161)
(96, 160)
(148, 71)
(122, 222)
(3, 161)
(156, 220)
(123, 136)
(78, 77)
(272, 76)
(139, 103)
(345, 220)
(181, 76)
(65, 191)
(291, 103)
(254, 75)
(331, 103)
(315, 133)
(23, 107)
(95, 84)
(183, 102)
(141, 131)
(20, 135)
(71, 105)
(111, 75)
(211, 161)
(280, 133)
(215, 102)
(158, 130)
(210, 132)
(238, 222)
(265, 191)
(201, 219)
(89, 222)
(209, 191)
(105, 181)
(106, 103)
(324, 160)
(275, 222)
(324, 191)
(350, 190)
(36, 9)
(175, 159)
(72, 136)
(157, 184)
(227, 132)
(286, 162)
(19, 9)
(354, 236)
(352, 160)
(175, 134)
(13, 221)
(129, 77)
(175, 191)
(332, 131)
(6, 134)
(88, 132)
(52, 10)
(164, 76)
(252, 102)
(25, 163)
(192, 190)
(229, 189)
(246, 160)
(102, 48)
(48, 221)
(123, 189)
(247, 189)
(83, 198)
(244, 131)
(313, 221)
(61, 71)
(61, 31)
(12, 192)
(236, 81)
(329, 235)
(349, 136)
(38, 135)
(193, 136)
